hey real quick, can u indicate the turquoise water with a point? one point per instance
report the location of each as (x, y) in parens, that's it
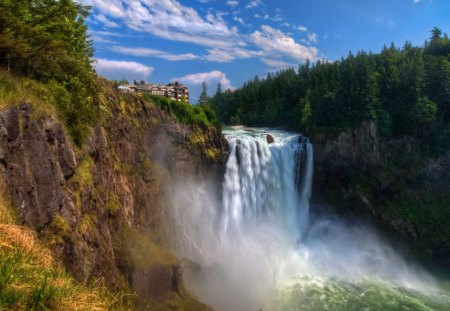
(310, 294)
(257, 248)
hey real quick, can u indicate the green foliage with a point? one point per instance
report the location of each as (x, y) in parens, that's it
(121, 81)
(84, 173)
(406, 89)
(47, 41)
(112, 204)
(15, 90)
(200, 115)
(305, 120)
(384, 122)
(60, 228)
(427, 210)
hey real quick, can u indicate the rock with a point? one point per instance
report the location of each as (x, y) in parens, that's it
(158, 282)
(270, 139)
(32, 169)
(364, 174)
(82, 202)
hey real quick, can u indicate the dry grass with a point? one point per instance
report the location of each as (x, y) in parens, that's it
(30, 279)
(20, 238)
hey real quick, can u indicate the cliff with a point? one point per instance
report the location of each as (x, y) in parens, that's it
(101, 206)
(405, 189)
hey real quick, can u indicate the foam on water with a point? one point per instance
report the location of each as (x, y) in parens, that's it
(255, 239)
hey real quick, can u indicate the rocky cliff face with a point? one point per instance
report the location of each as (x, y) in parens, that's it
(407, 192)
(101, 207)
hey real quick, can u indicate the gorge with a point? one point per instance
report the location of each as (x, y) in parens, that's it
(129, 201)
(235, 209)
(257, 248)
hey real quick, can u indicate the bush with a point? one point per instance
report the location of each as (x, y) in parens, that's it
(200, 115)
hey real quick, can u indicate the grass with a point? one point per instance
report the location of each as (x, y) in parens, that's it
(72, 103)
(15, 90)
(30, 279)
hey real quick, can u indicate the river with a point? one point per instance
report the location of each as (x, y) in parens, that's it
(254, 246)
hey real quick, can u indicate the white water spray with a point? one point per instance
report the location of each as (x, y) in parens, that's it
(257, 238)
(267, 184)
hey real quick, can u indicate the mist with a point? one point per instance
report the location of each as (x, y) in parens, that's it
(253, 239)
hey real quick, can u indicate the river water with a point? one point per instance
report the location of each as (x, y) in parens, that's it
(254, 245)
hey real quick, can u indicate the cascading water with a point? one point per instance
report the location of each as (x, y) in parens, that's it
(254, 247)
(267, 183)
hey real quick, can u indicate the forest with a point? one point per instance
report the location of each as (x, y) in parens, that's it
(407, 90)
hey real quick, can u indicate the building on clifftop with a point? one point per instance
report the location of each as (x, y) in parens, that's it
(174, 91)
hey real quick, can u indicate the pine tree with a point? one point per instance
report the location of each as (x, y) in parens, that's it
(204, 99)
(219, 89)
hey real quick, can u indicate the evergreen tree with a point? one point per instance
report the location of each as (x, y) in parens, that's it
(47, 40)
(203, 99)
(219, 89)
(407, 90)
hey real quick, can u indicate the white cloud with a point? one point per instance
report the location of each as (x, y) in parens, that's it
(105, 33)
(112, 8)
(239, 20)
(278, 18)
(275, 64)
(276, 43)
(254, 4)
(211, 78)
(103, 36)
(228, 55)
(121, 69)
(170, 20)
(145, 52)
(302, 28)
(265, 16)
(312, 37)
(233, 3)
(105, 21)
(102, 39)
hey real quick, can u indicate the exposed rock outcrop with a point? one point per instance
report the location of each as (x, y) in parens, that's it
(102, 206)
(362, 173)
(359, 147)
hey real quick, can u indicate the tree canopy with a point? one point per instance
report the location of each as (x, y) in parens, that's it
(47, 40)
(407, 90)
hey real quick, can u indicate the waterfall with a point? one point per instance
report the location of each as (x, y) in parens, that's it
(267, 183)
(254, 239)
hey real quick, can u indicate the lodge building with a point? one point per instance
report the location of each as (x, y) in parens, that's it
(174, 91)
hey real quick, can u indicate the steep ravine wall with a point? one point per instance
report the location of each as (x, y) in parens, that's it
(407, 193)
(101, 207)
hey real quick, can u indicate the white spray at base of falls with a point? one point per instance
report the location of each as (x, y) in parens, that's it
(257, 238)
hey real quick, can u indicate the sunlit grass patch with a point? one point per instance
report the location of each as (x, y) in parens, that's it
(30, 279)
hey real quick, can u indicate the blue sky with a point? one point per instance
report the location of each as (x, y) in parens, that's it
(231, 41)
